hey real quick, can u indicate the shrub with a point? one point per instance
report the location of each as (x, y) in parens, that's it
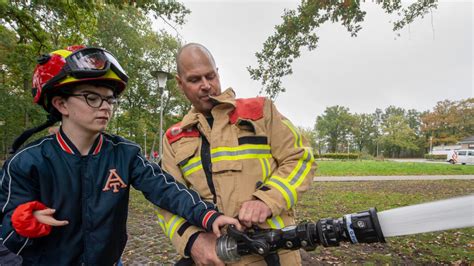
(341, 156)
(435, 156)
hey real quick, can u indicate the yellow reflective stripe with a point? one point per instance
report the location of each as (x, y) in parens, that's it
(174, 224)
(296, 134)
(288, 191)
(308, 159)
(276, 222)
(240, 157)
(298, 174)
(161, 222)
(246, 151)
(264, 173)
(170, 228)
(303, 166)
(191, 166)
(267, 164)
(242, 147)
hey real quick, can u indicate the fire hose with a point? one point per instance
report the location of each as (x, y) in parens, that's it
(361, 227)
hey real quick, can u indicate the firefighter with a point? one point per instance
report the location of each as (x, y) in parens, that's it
(64, 197)
(241, 154)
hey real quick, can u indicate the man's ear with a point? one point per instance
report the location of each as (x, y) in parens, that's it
(59, 103)
(180, 82)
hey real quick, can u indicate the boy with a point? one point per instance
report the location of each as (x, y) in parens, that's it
(64, 198)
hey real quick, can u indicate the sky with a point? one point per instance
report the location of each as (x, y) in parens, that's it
(431, 60)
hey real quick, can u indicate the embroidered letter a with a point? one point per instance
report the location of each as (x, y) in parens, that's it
(114, 181)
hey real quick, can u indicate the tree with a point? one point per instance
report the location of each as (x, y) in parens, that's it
(397, 135)
(299, 30)
(449, 122)
(364, 131)
(334, 126)
(30, 28)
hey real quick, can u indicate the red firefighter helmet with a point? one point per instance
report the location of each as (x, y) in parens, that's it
(72, 66)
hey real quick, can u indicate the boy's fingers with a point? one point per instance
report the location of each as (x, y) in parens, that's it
(53, 222)
(45, 212)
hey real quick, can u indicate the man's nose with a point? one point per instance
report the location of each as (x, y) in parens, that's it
(205, 84)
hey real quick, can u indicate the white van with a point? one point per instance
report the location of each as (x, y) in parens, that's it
(461, 156)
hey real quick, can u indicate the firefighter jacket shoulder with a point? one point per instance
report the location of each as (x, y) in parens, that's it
(91, 192)
(251, 151)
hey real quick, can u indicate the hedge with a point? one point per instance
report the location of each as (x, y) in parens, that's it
(435, 156)
(340, 156)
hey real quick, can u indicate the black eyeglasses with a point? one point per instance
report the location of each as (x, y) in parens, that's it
(95, 100)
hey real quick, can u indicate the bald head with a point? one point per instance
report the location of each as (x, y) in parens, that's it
(198, 77)
(190, 51)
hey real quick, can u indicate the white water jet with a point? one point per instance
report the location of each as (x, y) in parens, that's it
(428, 217)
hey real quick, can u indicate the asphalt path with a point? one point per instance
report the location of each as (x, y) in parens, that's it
(386, 178)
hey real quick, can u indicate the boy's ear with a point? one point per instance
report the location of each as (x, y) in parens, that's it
(59, 103)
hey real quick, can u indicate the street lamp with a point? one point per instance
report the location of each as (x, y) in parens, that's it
(162, 77)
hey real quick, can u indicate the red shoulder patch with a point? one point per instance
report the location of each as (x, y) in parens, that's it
(175, 132)
(251, 108)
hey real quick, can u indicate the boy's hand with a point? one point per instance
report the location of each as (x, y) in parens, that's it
(224, 220)
(46, 217)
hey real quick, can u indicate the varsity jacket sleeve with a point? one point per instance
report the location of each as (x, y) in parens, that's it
(164, 191)
(295, 160)
(18, 199)
(174, 226)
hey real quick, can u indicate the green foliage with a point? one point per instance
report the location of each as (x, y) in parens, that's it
(31, 28)
(449, 122)
(334, 126)
(340, 156)
(299, 27)
(393, 132)
(435, 156)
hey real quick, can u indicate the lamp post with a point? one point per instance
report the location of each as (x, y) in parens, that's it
(162, 77)
(431, 144)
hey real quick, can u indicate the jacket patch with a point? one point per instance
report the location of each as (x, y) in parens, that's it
(114, 181)
(253, 140)
(175, 133)
(251, 108)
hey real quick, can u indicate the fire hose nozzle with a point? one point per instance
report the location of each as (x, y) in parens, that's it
(361, 227)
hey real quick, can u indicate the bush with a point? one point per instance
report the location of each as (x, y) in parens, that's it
(435, 156)
(366, 156)
(341, 156)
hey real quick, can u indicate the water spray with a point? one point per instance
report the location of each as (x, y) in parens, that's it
(362, 227)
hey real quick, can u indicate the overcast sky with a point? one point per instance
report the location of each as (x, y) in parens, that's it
(431, 61)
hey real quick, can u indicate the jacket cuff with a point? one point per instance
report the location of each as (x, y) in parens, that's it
(180, 241)
(189, 245)
(264, 196)
(208, 219)
(26, 224)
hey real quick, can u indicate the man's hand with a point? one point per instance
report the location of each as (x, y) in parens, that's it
(203, 250)
(224, 220)
(254, 212)
(46, 217)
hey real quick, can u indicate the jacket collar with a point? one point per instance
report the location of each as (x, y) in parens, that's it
(227, 97)
(66, 144)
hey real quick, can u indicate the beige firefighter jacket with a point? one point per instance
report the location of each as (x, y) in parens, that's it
(255, 153)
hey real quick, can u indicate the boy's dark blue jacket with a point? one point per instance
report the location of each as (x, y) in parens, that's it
(87, 192)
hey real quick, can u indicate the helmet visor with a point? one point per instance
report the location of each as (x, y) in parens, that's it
(93, 62)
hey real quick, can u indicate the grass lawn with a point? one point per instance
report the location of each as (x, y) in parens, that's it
(384, 168)
(334, 199)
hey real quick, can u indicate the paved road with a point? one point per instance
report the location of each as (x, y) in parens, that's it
(382, 178)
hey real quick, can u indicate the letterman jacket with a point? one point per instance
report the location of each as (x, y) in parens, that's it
(91, 192)
(251, 151)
